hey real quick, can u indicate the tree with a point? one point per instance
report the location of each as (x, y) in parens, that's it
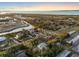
(53, 41)
(63, 35)
(27, 43)
(25, 32)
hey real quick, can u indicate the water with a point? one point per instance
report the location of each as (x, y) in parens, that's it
(60, 12)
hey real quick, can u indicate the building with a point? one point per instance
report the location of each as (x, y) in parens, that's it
(64, 53)
(74, 55)
(58, 44)
(74, 40)
(3, 42)
(19, 35)
(42, 46)
(20, 17)
(76, 48)
(6, 20)
(20, 53)
(72, 32)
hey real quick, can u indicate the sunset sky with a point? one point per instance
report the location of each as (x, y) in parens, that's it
(38, 6)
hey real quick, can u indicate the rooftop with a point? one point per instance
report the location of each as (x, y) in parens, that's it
(2, 39)
(64, 53)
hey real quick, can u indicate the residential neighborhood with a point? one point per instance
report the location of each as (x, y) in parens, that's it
(28, 35)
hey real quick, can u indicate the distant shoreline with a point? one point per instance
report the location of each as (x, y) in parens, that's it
(40, 14)
(57, 12)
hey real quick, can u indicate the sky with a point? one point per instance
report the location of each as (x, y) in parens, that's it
(38, 6)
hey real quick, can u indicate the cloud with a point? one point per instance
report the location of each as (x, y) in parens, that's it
(42, 8)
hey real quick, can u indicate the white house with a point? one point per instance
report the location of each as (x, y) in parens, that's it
(71, 32)
(42, 45)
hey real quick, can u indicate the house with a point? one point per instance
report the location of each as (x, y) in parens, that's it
(20, 53)
(18, 35)
(49, 38)
(20, 17)
(2, 39)
(72, 32)
(6, 20)
(3, 42)
(64, 53)
(58, 44)
(42, 46)
(74, 40)
(76, 48)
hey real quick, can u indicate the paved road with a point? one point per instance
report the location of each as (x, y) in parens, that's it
(18, 29)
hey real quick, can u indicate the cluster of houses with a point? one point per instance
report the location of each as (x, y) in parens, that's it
(43, 45)
(7, 20)
(20, 17)
(23, 17)
(75, 46)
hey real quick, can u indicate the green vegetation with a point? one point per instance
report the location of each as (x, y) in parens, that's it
(49, 29)
(9, 52)
(53, 22)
